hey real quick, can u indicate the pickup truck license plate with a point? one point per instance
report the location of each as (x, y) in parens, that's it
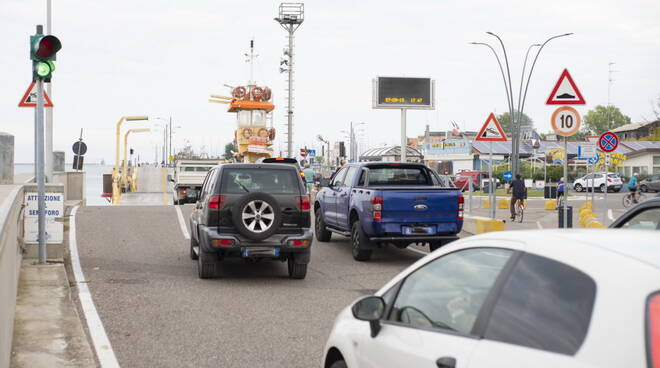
(260, 252)
(418, 230)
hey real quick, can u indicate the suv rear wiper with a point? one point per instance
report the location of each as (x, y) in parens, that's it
(243, 186)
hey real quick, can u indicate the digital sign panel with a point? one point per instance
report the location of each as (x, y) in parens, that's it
(403, 93)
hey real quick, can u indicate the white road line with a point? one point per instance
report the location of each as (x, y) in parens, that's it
(182, 222)
(104, 351)
(538, 224)
(609, 214)
(417, 251)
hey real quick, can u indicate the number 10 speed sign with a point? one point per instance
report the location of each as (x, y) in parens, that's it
(566, 121)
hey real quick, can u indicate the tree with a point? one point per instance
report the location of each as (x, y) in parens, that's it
(505, 121)
(603, 118)
(229, 147)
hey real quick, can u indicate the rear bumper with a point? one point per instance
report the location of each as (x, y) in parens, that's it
(414, 238)
(208, 234)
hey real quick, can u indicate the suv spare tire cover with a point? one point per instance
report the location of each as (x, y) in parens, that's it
(266, 220)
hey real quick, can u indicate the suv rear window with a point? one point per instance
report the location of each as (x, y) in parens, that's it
(237, 181)
(544, 305)
(393, 175)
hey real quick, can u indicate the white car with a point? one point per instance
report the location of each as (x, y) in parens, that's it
(597, 180)
(549, 298)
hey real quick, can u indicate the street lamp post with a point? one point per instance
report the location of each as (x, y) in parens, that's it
(124, 174)
(515, 119)
(115, 171)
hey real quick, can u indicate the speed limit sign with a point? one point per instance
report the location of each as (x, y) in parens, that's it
(566, 121)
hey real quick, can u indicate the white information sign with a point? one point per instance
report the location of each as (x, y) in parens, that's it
(54, 209)
(587, 150)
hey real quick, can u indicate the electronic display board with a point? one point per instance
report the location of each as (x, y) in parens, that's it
(403, 93)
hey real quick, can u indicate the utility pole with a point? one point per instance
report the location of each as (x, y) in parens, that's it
(170, 145)
(291, 16)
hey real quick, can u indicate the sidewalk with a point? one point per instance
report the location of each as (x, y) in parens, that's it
(47, 329)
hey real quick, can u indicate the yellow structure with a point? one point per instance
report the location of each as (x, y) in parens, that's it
(486, 225)
(486, 203)
(503, 204)
(587, 217)
(124, 172)
(550, 204)
(116, 192)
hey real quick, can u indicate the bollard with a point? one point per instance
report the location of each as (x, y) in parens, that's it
(550, 204)
(503, 204)
(484, 225)
(486, 203)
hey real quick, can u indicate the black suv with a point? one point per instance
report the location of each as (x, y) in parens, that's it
(251, 211)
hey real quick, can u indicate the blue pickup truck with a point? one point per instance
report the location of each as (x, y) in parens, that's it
(377, 203)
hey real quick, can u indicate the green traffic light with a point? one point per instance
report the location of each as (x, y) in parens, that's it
(44, 69)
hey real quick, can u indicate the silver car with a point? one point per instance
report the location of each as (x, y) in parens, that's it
(650, 184)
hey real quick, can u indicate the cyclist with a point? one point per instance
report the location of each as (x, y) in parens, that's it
(632, 187)
(560, 191)
(519, 193)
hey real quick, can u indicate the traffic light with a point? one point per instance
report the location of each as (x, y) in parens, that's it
(43, 49)
(342, 149)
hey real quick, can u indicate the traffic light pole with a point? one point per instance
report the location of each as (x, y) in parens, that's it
(41, 179)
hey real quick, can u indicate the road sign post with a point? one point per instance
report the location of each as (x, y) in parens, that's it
(607, 142)
(491, 132)
(565, 122)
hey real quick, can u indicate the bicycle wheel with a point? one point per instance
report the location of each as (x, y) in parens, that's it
(520, 213)
(627, 200)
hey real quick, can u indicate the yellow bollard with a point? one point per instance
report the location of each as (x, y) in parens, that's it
(503, 204)
(488, 225)
(550, 204)
(486, 203)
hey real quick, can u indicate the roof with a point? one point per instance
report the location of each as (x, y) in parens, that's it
(633, 126)
(391, 151)
(645, 248)
(641, 145)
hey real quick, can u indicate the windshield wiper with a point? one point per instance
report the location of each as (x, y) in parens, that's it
(243, 186)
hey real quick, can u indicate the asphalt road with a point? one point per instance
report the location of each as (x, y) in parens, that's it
(157, 313)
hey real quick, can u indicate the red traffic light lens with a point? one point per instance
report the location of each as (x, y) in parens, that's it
(48, 46)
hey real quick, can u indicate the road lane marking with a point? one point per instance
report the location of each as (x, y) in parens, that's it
(609, 214)
(538, 224)
(182, 222)
(104, 352)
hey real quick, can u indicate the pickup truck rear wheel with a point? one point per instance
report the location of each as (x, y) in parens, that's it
(322, 234)
(359, 241)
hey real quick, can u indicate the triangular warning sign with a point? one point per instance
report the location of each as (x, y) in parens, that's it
(30, 97)
(565, 92)
(491, 131)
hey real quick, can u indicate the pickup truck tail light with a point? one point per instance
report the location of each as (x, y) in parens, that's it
(461, 202)
(377, 207)
(302, 203)
(653, 331)
(216, 202)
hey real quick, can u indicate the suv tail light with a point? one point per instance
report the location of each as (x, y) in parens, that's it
(461, 202)
(216, 202)
(302, 203)
(653, 331)
(377, 207)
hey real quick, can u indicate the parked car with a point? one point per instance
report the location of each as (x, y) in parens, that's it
(254, 212)
(645, 215)
(479, 179)
(377, 203)
(543, 298)
(597, 180)
(650, 184)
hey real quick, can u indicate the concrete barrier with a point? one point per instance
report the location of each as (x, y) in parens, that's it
(550, 205)
(11, 204)
(478, 224)
(486, 203)
(503, 204)
(6, 158)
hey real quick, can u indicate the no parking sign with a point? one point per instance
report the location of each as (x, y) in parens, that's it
(608, 142)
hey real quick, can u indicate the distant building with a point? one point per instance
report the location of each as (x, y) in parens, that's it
(390, 154)
(634, 131)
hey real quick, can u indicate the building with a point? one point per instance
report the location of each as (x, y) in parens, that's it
(643, 158)
(390, 154)
(636, 131)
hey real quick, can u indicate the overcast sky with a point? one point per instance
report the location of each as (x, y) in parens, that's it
(163, 58)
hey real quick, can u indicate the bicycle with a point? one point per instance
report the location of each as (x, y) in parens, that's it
(520, 211)
(628, 199)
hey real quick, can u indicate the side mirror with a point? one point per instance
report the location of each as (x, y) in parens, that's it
(370, 309)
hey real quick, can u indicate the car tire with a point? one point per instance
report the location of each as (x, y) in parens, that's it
(297, 271)
(258, 198)
(206, 264)
(602, 188)
(193, 243)
(644, 188)
(578, 188)
(322, 234)
(359, 241)
(339, 364)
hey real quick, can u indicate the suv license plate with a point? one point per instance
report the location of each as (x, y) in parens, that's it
(260, 252)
